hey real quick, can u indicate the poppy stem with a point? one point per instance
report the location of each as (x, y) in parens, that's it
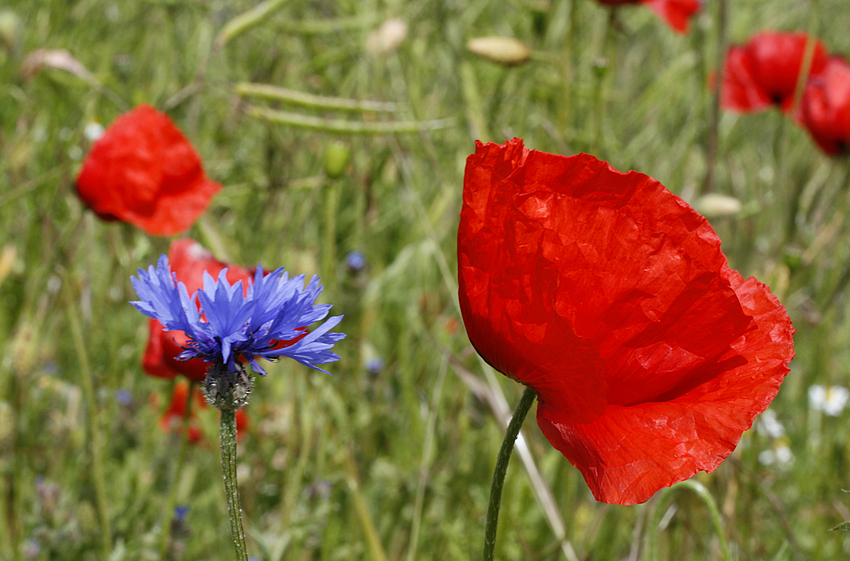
(501, 469)
(711, 148)
(231, 488)
(168, 514)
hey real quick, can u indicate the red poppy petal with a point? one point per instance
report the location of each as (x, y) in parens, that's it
(825, 108)
(677, 13)
(740, 91)
(776, 59)
(631, 452)
(507, 289)
(144, 171)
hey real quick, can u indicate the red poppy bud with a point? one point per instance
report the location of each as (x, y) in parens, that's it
(144, 171)
(764, 72)
(825, 108)
(610, 297)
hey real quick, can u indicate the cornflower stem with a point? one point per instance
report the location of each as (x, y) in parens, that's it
(501, 469)
(95, 436)
(178, 469)
(231, 488)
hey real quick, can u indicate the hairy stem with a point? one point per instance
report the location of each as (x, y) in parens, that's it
(231, 489)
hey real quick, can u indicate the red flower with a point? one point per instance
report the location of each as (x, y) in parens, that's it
(144, 171)
(825, 108)
(188, 261)
(676, 13)
(764, 72)
(172, 418)
(610, 297)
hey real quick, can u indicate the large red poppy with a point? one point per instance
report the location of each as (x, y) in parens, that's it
(144, 171)
(677, 13)
(825, 108)
(188, 261)
(610, 297)
(764, 72)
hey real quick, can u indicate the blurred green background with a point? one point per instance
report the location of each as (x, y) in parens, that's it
(387, 459)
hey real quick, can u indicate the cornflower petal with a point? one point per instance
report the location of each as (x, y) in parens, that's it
(267, 319)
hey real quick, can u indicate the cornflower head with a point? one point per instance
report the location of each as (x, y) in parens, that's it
(227, 324)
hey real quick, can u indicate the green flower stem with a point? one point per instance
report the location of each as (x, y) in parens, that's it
(500, 471)
(711, 148)
(802, 78)
(178, 469)
(231, 489)
(95, 437)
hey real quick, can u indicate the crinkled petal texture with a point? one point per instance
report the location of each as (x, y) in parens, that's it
(764, 72)
(610, 297)
(825, 108)
(144, 171)
(677, 13)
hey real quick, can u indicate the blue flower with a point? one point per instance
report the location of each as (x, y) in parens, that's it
(269, 320)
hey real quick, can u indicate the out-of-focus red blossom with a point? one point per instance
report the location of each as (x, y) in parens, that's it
(172, 418)
(188, 261)
(764, 72)
(677, 13)
(825, 108)
(144, 171)
(610, 297)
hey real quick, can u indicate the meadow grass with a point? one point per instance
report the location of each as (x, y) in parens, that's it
(393, 464)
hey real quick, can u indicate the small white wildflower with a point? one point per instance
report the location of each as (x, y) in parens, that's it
(830, 399)
(770, 425)
(93, 131)
(781, 456)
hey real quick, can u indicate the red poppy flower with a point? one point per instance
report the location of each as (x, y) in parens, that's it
(764, 72)
(825, 108)
(610, 297)
(188, 261)
(676, 13)
(144, 171)
(172, 418)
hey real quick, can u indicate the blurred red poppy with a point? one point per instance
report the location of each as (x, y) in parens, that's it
(188, 261)
(144, 171)
(764, 72)
(676, 13)
(610, 297)
(172, 418)
(825, 108)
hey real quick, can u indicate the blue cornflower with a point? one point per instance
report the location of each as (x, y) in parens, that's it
(231, 325)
